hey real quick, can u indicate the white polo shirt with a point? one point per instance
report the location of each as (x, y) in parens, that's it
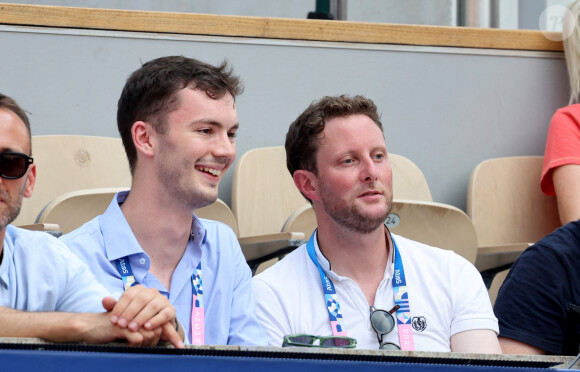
(446, 296)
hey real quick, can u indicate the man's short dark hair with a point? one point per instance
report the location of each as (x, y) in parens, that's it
(10, 104)
(150, 93)
(304, 134)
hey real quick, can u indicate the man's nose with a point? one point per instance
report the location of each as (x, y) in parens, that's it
(224, 147)
(369, 170)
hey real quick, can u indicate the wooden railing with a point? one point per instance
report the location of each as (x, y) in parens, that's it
(273, 28)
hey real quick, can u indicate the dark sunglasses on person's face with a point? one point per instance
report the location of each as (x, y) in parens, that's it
(14, 165)
(383, 323)
(310, 341)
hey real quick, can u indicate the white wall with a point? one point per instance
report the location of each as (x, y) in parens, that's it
(446, 109)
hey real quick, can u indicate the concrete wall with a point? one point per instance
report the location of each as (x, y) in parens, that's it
(446, 109)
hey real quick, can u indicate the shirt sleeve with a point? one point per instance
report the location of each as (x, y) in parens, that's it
(81, 292)
(244, 326)
(532, 302)
(562, 144)
(271, 314)
(472, 306)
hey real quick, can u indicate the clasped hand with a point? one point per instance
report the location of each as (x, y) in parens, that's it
(145, 315)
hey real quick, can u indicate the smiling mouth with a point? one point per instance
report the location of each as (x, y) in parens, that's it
(212, 171)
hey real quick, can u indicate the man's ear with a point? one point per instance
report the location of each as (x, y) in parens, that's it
(30, 181)
(307, 183)
(143, 137)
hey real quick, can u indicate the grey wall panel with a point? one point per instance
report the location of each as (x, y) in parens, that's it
(447, 109)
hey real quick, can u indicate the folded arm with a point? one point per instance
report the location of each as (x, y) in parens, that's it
(92, 328)
(511, 346)
(142, 317)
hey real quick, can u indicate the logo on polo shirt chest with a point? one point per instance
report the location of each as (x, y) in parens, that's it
(419, 323)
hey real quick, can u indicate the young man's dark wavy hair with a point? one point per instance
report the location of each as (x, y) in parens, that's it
(150, 93)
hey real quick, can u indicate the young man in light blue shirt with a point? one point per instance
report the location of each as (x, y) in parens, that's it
(45, 290)
(177, 119)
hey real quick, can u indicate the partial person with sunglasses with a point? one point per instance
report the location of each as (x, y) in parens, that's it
(45, 290)
(177, 118)
(353, 282)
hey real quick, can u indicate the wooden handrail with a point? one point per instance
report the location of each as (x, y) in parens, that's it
(273, 28)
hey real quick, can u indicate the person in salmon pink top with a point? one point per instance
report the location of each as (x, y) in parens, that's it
(561, 170)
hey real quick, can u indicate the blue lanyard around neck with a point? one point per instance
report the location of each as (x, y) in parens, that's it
(403, 314)
(124, 267)
(330, 296)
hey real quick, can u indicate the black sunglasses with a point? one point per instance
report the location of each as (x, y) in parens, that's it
(309, 340)
(14, 165)
(383, 323)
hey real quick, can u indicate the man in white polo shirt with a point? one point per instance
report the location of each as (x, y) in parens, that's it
(354, 278)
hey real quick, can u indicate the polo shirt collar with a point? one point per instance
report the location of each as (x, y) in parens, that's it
(198, 230)
(119, 244)
(114, 226)
(325, 264)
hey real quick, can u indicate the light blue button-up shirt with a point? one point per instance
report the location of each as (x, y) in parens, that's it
(227, 294)
(39, 273)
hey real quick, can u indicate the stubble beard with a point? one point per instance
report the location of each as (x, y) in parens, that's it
(12, 208)
(346, 213)
(183, 188)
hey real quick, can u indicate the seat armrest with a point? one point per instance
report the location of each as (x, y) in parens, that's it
(261, 248)
(491, 260)
(498, 255)
(51, 228)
